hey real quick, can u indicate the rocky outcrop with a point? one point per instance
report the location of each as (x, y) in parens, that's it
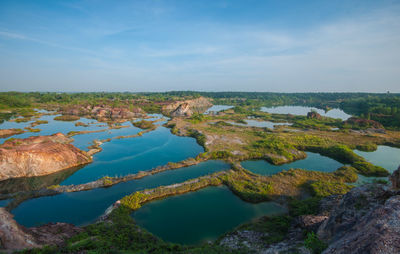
(313, 115)
(12, 236)
(16, 237)
(5, 133)
(395, 179)
(367, 220)
(37, 156)
(187, 108)
(103, 112)
(364, 123)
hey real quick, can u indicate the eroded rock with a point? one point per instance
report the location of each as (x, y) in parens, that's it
(37, 156)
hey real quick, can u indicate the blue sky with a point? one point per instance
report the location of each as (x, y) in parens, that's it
(208, 45)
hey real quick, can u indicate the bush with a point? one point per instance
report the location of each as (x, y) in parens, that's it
(66, 118)
(304, 207)
(326, 188)
(313, 243)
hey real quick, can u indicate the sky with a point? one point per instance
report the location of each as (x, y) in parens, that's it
(202, 45)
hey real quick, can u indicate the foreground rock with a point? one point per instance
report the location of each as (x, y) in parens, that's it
(12, 236)
(367, 220)
(187, 108)
(16, 237)
(37, 156)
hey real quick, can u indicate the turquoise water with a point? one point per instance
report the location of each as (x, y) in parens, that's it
(131, 155)
(4, 202)
(200, 216)
(217, 108)
(385, 156)
(302, 111)
(314, 161)
(261, 124)
(85, 207)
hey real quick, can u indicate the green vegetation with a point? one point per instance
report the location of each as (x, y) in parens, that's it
(200, 137)
(66, 118)
(313, 243)
(324, 188)
(136, 199)
(303, 207)
(143, 124)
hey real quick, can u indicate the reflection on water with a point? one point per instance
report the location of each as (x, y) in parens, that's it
(200, 216)
(302, 111)
(314, 162)
(85, 207)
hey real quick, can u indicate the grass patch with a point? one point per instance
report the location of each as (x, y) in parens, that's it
(67, 118)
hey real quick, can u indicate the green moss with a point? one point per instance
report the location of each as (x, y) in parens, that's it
(368, 169)
(144, 124)
(248, 188)
(327, 188)
(313, 243)
(304, 207)
(66, 118)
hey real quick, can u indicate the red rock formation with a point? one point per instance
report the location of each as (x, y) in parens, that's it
(360, 122)
(36, 156)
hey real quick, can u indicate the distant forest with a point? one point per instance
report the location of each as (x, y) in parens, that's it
(384, 108)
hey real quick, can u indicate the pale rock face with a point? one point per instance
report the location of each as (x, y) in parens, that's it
(15, 237)
(187, 108)
(12, 236)
(37, 156)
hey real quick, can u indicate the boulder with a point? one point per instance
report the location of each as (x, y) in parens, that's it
(313, 115)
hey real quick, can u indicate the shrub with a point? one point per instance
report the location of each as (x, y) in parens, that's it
(326, 188)
(313, 243)
(304, 207)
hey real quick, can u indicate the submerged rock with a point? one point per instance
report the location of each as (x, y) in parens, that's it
(37, 156)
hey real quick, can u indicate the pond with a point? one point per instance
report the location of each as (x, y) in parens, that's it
(314, 162)
(84, 207)
(200, 216)
(302, 111)
(385, 156)
(217, 108)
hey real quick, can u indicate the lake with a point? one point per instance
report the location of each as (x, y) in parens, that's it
(200, 216)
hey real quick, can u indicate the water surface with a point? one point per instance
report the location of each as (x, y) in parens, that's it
(302, 111)
(84, 207)
(131, 155)
(385, 156)
(261, 124)
(314, 162)
(200, 216)
(217, 108)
